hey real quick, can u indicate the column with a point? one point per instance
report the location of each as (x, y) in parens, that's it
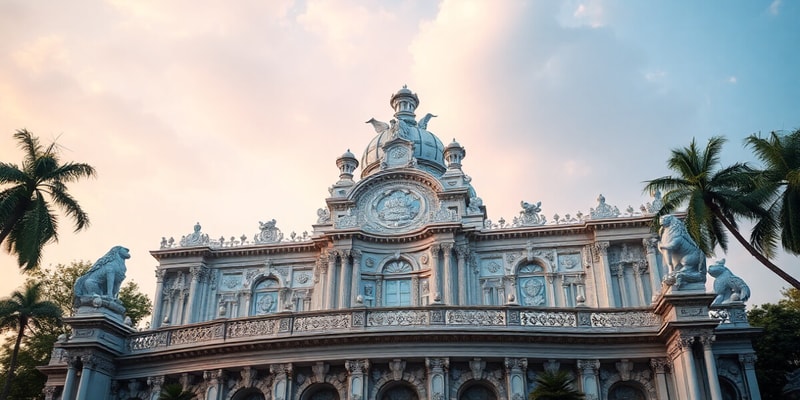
(86, 377)
(330, 286)
(711, 366)
(436, 281)
(463, 277)
(619, 271)
(515, 370)
(69, 382)
(748, 362)
(655, 275)
(196, 273)
(415, 290)
(355, 281)
(156, 322)
(589, 379)
(322, 265)
(214, 379)
(281, 385)
(437, 377)
(659, 366)
(638, 270)
(447, 274)
(344, 280)
(604, 287)
(356, 378)
(685, 376)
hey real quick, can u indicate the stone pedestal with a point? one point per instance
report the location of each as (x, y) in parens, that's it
(98, 336)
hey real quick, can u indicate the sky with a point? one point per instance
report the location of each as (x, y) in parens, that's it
(231, 113)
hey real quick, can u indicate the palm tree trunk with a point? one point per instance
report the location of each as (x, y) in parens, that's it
(755, 253)
(13, 364)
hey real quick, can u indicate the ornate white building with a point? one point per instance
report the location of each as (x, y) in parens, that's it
(405, 290)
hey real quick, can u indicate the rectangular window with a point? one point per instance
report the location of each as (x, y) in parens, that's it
(397, 292)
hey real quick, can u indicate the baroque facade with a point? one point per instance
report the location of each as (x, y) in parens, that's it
(405, 290)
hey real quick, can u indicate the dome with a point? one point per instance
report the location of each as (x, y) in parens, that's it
(428, 149)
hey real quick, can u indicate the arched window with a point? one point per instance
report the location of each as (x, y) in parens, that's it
(531, 285)
(624, 391)
(729, 391)
(265, 297)
(321, 392)
(477, 391)
(399, 392)
(397, 283)
(248, 394)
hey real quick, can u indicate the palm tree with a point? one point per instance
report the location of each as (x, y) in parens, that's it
(780, 180)
(555, 386)
(19, 312)
(27, 221)
(715, 198)
(174, 391)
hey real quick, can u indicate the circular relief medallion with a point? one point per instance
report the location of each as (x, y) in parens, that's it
(397, 208)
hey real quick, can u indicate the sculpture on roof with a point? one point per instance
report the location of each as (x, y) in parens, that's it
(269, 233)
(423, 123)
(727, 286)
(530, 214)
(104, 278)
(686, 262)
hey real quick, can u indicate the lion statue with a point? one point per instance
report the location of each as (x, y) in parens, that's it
(686, 262)
(105, 276)
(727, 286)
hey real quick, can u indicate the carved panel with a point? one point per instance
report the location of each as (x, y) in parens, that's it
(476, 317)
(239, 329)
(397, 318)
(541, 318)
(322, 322)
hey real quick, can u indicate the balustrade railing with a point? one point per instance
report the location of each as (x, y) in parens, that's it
(394, 319)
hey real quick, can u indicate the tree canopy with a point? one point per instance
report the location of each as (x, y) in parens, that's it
(717, 197)
(29, 193)
(777, 348)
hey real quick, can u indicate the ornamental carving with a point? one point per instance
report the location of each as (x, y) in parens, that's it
(397, 318)
(268, 233)
(239, 329)
(630, 319)
(198, 334)
(476, 317)
(532, 291)
(603, 210)
(322, 322)
(541, 318)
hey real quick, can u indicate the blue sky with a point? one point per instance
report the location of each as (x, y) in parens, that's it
(230, 114)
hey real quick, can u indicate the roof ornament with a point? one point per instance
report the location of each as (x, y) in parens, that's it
(423, 123)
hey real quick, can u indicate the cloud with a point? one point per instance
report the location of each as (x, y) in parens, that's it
(774, 7)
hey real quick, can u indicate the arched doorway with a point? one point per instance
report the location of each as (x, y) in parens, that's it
(626, 391)
(477, 391)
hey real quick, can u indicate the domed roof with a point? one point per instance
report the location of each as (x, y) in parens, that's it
(428, 149)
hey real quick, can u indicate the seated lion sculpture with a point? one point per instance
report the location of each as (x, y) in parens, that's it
(727, 286)
(105, 276)
(686, 262)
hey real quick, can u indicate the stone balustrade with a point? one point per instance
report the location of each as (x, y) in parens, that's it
(442, 318)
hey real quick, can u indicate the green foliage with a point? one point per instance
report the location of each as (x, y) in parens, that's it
(716, 197)
(137, 304)
(57, 285)
(27, 221)
(175, 391)
(555, 386)
(780, 187)
(24, 310)
(777, 348)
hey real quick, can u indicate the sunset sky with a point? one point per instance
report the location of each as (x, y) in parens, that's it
(231, 113)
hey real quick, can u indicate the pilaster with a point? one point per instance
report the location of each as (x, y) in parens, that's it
(706, 340)
(437, 377)
(604, 285)
(447, 273)
(355, 281)
(748, 362)
(357, 371)
(282, 384)
(590, 381)
(515, 371)
(660, 367)
(461, 271)
(436, 281)
(330, 285)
